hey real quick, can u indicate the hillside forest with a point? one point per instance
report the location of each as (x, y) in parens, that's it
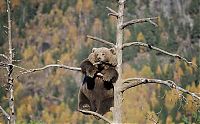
(55, 32)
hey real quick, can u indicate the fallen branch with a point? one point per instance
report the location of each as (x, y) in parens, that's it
(133, 82)
(95, 114)
(50, 66)
(5, 113)
(101, 40)
(134, 21)
(159, 50)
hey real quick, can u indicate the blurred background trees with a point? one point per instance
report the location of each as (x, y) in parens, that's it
(49, 31)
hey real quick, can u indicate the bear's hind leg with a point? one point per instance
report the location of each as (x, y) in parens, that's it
(83, 102)
(106, 105)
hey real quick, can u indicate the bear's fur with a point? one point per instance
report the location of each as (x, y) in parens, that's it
(96, 92)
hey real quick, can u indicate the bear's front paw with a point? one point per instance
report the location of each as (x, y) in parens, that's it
(106, 77)
(99, 74)
(91, 72)
(86, 107)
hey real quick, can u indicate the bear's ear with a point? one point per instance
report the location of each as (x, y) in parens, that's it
(93, 50)
(112, 50)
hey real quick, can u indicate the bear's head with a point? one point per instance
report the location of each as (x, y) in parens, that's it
(103, 55)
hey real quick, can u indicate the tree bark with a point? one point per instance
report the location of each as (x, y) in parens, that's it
(10, 69)
(117, 110)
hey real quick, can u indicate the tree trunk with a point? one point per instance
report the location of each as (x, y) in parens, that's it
(10, 69)
(117, 110)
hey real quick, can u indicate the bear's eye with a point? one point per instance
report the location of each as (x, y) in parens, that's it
(103, 54)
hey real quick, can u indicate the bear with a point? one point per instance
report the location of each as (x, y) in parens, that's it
(97, 91)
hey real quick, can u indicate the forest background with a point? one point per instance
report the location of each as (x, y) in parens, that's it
(54, 31)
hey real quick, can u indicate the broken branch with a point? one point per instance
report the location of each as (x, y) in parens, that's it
(101, 40)
(133, 82)
(4, 56)
(5, 113)
(159, 50)
(95, 114)
(134, 21)
(112, 12)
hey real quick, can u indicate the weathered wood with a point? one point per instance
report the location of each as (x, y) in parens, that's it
(117, 110)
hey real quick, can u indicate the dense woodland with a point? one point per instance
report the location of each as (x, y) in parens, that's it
(54, 31)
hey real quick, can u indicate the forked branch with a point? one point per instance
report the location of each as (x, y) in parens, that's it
(5, 113)
(134, 21)
(133, 82)
(112, 12)
(159, 50)
(95, 114)
(101, 40)
(50, 66)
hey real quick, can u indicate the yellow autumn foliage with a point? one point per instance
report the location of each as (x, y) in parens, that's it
(165, 68)
(171, 98)
(127, 34)
(48, 59)
(130, 72)
(153, 99)
(97, 27)
(140, 37)
(29, 52)
(146, 72)
(192, 106)
(84, 5)
(138, 109)
(169, 120)
(158, 70)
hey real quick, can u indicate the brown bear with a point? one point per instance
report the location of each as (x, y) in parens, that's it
(96, 92)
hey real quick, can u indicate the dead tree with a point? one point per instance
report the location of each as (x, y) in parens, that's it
(9, 66)
(121, 84)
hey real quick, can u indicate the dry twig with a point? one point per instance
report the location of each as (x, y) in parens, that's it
(133, 82)
(159, 50)
(95, 114)
(101, 40)
(50, 66)
(134, 21)
(112, 12)
(5, 113)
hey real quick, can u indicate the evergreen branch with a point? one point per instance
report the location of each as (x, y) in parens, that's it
(133, 82)
(50, 66)
(101, 40)
(95, 114)
(159, 50)
(5, 113)
(134, 21)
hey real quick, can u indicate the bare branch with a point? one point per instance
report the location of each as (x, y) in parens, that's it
(112, 12)
(159, 50)
(101, 40)
(95, 114)
(134, 21)
(5, 113)
(133, 82)
(4, 56)
(50, 66)
(15, 66)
